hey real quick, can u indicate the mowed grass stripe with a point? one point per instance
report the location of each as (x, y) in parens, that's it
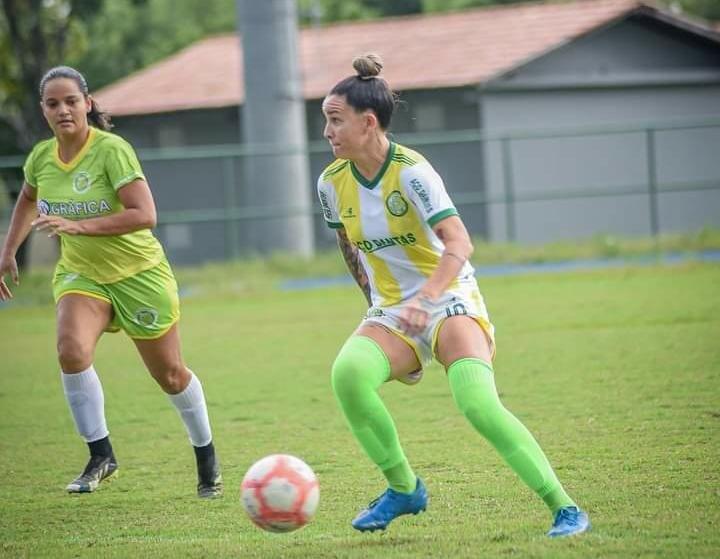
(616, 373)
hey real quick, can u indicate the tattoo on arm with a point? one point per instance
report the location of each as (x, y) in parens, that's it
(352, 260)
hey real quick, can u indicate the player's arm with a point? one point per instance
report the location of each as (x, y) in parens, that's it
(139, 213)
(20, 226)
(352, 260)
(458, 249)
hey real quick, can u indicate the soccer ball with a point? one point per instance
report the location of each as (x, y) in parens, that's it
(280, 493)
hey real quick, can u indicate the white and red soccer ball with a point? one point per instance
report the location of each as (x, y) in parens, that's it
(280, 493)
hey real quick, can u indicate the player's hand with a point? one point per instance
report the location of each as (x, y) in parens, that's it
(415, 315)
(8, 265)
(54, 225)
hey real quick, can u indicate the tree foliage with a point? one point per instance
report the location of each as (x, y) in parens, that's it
(125, 38)
(109, 39)
(105, 39)
(708, 9)
(36, 35)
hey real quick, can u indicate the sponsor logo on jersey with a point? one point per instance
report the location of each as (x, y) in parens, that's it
(327, 212)
(147, 317)
(368, 246)
(374, 312)
(419, 189)
(349, 213)
(74, 209)
(396, 204)
(81, 182)
(70, 278)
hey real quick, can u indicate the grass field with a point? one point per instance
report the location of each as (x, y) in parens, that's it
(616, 372)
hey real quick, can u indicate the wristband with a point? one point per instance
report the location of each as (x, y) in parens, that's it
(456, 257)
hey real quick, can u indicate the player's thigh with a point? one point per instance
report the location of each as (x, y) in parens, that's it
(162, 356)
(147, 304)
(81, 320)
(401, 356)
(461, 337)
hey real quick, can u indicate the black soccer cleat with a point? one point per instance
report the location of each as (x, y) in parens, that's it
(99, 468)
(210, 482)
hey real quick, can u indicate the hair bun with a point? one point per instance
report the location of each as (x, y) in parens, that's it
(367, 66)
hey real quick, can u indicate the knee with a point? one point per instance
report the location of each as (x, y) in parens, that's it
(346, 376)
(474, 411)
(74, 355)
(173, 378)
(478, 404)
(360, 367)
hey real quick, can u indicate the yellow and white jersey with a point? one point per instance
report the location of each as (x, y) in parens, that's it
(390, 219)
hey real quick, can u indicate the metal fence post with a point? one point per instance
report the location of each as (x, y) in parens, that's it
(652, 183)
(231, 225)
(509, 189)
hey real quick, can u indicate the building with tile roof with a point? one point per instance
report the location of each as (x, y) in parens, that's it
(560, 120)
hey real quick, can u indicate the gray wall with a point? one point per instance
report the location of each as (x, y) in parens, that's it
(183, 128)
(622, 76)
(202, 184)
(568, 179)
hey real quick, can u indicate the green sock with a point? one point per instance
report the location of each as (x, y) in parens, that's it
(473, 387)
(359, 370)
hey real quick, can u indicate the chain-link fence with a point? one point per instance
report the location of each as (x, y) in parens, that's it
(524, 186)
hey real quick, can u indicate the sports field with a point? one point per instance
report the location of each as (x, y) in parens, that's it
(616, 372)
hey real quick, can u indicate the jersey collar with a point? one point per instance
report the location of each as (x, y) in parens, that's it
(370, 184)
(75, 160)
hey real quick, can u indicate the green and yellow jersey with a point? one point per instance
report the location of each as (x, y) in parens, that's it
(390, 220)
(87, 187)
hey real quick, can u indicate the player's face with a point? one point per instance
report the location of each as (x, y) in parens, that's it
(346, 129)
(65, 107)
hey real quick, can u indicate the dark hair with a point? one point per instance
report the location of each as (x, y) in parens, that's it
(366, 90)
(96, 116)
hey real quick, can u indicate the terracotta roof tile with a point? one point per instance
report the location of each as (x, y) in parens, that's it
(424, 51)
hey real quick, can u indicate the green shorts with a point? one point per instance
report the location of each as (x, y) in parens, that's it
(145, 306)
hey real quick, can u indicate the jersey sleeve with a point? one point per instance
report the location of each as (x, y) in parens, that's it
(427, 191)
(122, 165)
(328, 203)
(29, 169)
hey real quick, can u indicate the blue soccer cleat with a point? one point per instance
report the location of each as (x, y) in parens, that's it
(569, 521)
(389, 506)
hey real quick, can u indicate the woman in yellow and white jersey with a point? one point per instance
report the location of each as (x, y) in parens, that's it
(408, 250)
(86, 186)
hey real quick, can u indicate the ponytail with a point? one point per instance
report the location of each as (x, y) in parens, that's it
(98, 118)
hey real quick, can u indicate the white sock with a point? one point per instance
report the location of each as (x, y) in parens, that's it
(190, 403)
(84, 395)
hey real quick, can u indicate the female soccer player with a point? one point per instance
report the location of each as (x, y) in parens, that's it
(86, 186)
(408, 250)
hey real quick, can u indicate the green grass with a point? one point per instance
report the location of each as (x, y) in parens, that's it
(616, 372)
(252, 275)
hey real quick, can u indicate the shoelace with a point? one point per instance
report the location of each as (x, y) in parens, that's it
(569, 516)
(374, 502)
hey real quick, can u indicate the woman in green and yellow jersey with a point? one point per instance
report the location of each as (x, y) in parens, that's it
(85, 185)
(408, 250)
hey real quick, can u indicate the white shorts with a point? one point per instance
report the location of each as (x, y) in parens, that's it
(465, 300)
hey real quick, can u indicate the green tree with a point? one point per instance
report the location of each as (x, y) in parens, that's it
(708, 9)
(124, 37)
(452, 5)
(328, 11)
(106, 40)
(35, 35)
